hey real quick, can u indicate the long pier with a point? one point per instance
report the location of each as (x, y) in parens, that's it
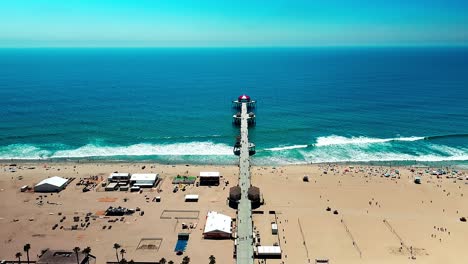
(245, 248)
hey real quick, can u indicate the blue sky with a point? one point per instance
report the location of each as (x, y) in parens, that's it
(186, 23)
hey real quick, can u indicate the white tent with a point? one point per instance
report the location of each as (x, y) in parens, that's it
(191, 197)
(209, 178)
(119, 176)
(144, 179)
(53, 184)
(265, 251)
(209, 174)
(217, 225)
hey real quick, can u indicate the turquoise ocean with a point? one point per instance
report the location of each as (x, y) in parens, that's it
(376, 105)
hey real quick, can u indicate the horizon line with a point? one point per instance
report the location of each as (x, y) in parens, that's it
(238, 47)
(464, 45)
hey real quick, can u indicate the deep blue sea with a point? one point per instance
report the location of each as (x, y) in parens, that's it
(315, 105)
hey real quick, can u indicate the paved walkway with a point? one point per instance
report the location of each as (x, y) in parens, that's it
(244, 212)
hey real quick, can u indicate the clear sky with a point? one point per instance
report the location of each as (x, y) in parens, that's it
(121, 23)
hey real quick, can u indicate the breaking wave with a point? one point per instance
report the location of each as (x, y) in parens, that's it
(331, 148)
(287, 147)
(335, 148)
(21, 151)
(339, 140)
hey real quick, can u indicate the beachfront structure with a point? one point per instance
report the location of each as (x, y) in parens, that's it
(234, 196)
(52, 184)
(65, 257)
(118, 176)
(244, 250)
(111, 187)
(143, 179)
(235, 193)
(274, 228)
(191, 198)
(210, 178)
(268, 252)
(217, 226)
(237, 104)
(254, 194)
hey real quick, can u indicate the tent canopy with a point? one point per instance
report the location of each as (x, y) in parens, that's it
(55, 181)
(216, 222)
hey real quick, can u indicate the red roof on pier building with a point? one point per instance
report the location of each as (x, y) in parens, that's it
(244, 98)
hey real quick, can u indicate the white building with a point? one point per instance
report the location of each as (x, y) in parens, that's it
(209, 178)
(121, 176)
(143, 179)
(210, 174)
(268, 252)
(191, 198)
(217, 226)
(52, 184)
(274, 228)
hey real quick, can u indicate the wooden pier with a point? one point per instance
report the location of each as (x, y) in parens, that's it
(245, 248)
(237, 119)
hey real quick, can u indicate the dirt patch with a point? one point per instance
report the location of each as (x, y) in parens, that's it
(107, 200)
(100, 213)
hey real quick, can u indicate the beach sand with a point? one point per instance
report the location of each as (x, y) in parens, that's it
(420, 218)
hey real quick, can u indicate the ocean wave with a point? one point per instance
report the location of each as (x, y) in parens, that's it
(423, 151)
(195, 136)
(447, 136)
(340, 140)
(287, 147)
(333, 149)
(21, 151)
(429, 153)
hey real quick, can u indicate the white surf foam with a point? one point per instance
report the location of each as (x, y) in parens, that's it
(177, 149)
(22, 151)
(287, 147)
(19, 151)
(340, 140)
(357, 154)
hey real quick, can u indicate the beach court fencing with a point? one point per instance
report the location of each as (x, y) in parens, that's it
(150, 243)
(303, 238)
(402, 243)
(352, 238)
(180, 214)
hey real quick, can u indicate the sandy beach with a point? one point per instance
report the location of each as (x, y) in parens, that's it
(378, 219)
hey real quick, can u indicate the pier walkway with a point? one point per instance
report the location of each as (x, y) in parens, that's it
(244, 213)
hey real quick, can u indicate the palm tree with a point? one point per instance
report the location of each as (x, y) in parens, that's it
(18, 256)
(116, 247)
(123, 261)
(26, 249)
(162, 261)
(122, 252)
(87, 251)
(77, 251)
(212, 259)
(186, 260)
